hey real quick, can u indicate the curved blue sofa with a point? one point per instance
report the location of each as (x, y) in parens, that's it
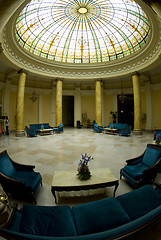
(109, 218)
(123, 128)
(37, 127)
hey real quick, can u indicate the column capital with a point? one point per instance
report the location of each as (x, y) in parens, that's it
(135, 74)
(59, 79)
(22, 71)
(98, 80)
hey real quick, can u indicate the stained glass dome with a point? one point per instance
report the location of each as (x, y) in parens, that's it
(82, 31)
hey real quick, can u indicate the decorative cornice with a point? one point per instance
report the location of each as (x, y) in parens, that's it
(137, 62)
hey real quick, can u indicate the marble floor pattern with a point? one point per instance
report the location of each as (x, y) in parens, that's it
(63, 152)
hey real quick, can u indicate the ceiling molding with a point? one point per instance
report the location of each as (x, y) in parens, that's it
(141, 61)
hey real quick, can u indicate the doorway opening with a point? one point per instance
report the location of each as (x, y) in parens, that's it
(68, 111)
(126, 110)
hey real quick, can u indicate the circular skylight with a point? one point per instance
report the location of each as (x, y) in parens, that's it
(82, 31)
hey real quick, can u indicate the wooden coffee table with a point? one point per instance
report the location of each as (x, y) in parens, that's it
(110, 130)
(68, 181)
(45, 131)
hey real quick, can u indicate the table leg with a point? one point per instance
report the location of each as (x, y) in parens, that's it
(116, 186)
(54, 194)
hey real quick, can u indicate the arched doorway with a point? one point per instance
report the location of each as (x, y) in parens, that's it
(68, 111)
(126, 109)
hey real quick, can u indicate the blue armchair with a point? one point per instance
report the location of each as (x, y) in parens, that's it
(18, 179)
(97, 128)
(58, 129)
(79, 124)
(126, 132)
(143, 169)
(30, 132)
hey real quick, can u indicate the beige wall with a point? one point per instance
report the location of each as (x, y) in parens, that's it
(31, 111)
(108, 107)
(46, 108)
(156, 109)
(88, 106)
(143, 109)
(12, 110)
(0, 96)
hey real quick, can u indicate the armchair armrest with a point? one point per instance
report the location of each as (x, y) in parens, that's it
(134, 161)
(23, 167)
(158, 185)
(11, 183)
(154, 167)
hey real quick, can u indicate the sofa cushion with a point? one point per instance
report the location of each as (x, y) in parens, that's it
(56, 221)
(151, 156)
(139, 202)
(99, 216)
(119, 125)
(6, 166)
(135, 171)
(31, 179)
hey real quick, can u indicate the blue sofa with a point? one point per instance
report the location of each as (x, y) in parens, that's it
(123, 128)
(109, 218)
(59, 129)
(38, 126)
(97, 128)
(30, 132)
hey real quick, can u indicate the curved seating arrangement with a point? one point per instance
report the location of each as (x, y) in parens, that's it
(109, 218)
(30, 132)
(97, 128)
(37, 127)
(18, 179)
(59, 129)
(123, 128)
(143, 169)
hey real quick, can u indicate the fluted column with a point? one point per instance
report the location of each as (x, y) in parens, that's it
(98, 102)
(137, 104)
(59, 102)
(20, 105)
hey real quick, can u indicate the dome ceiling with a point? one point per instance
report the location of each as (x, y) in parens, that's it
(82, 31)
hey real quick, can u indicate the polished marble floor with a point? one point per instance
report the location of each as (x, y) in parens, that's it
(63, 152)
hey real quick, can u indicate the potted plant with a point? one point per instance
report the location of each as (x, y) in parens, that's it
(114, 116)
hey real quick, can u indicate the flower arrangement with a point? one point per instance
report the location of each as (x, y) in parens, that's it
(83, 168)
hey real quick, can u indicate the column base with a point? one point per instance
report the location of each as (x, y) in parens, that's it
(137, 132)
(20, 133)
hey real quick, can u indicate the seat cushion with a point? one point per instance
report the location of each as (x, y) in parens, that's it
(6, 166)
(151, 156)
(99, 216)
(135, 171)
(31, 179)
(56, 221)
(139, 202)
